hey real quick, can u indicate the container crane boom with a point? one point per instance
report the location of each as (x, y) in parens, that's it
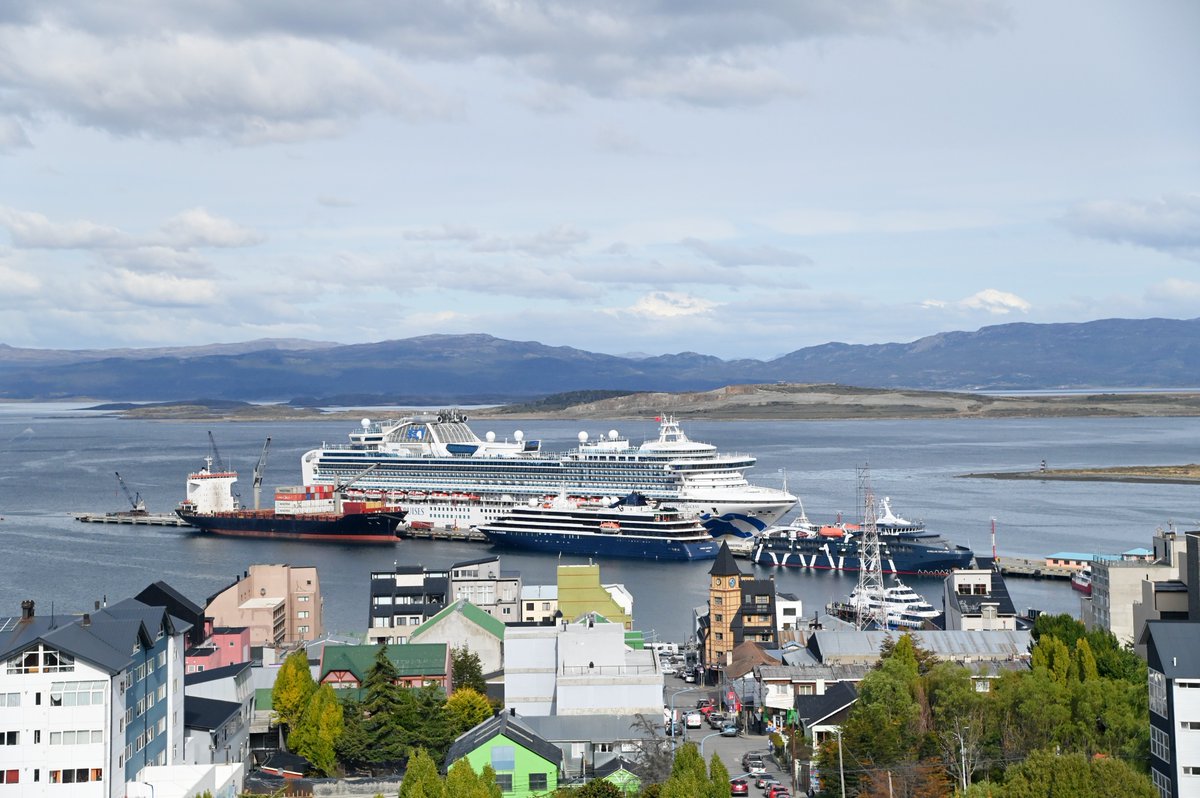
(135, 502)
(258, 472)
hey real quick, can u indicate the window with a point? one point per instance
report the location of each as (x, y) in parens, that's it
(303, 630)
(537, 781)
(1158, 692)
(302, 598)
(720, 635)
(1160, 744)
(162, 659)
(604, 748)
(1190, 724)
(983, 686)
(1162, 783)
(529, 606)
(10, 699)
(162, 692)
(302, 614)
(1191, 770)
(762, 599)
(41, 659)
(507, 611)
(504, 782)
(504, 758)
(80, 737)
(70, 694)
(9, 738)
(718, 600)
(10, 777)
(719, 618)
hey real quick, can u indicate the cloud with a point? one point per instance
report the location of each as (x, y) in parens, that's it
(12, 135)
(18, 283)
(160, 290)
(35, 231)
(1175, 291)
(199, 228)
(556, 241)
(817, 221)
(989, 300)
(670, 305)
(1169, 224)
(335, 202)
(759, 255)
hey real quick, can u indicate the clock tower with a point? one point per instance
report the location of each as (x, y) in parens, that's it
(724, 602)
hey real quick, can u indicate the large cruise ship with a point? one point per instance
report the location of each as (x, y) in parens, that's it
(441, 473)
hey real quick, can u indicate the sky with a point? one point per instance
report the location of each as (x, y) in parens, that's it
(736, 179)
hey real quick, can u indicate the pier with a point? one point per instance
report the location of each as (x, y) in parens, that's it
(149, 519)
(1027, 568)
(442, 533)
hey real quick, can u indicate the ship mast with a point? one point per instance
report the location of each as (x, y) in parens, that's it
(870, 569)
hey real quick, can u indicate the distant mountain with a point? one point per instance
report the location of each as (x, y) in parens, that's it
(432, 369)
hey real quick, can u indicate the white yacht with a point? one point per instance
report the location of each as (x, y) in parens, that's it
(904, 606)
(441, 473)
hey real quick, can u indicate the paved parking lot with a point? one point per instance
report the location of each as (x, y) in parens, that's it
(729, 749)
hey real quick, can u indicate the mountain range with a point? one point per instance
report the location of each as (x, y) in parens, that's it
(437, 369)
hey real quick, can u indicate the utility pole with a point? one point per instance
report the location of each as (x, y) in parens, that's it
(841, 768)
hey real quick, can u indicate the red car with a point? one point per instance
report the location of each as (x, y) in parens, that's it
(739, 787)
(778, 791)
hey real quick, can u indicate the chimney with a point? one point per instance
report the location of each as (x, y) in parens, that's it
(87, 620)
(27, 610)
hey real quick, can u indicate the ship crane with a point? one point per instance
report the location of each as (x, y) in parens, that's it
(345, 483)
(136, 502)
(220, 464)
(258, 473)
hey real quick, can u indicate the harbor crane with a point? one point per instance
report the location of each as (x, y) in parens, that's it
(341, 485)
(258, 472)
(139, 506)
(217, 461)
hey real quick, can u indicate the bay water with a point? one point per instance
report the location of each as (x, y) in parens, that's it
(57, 460)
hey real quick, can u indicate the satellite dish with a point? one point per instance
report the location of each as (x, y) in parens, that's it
(583, 436)
(490, 436)
(518, 436)
(366, 423)
(612, 435)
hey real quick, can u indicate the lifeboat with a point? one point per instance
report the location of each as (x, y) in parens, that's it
(831, 532)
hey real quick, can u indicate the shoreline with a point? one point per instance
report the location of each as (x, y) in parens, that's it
(1160, 475)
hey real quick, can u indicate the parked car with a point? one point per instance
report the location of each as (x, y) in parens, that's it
(778, 791)
(668, 669)
(739, 787)
(764, 780)
(693, 720)
(689, 675)
(729, 730)
(717, 719)
(756, 766)
(750, 756)
(673, 729)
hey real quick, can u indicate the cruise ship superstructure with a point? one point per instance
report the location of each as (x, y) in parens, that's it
(441, 473)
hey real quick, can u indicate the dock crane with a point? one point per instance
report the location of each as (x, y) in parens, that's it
(258, 472)
(139, 506)
(341, 485)
(220, 464)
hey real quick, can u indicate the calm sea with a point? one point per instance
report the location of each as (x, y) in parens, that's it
(56, 460)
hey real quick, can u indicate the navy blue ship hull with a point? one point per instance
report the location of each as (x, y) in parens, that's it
(603, 545)
(895, 557)
(347, 528)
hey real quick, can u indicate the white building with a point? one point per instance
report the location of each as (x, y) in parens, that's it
(538, 603)
(1117, 587)
(90, 701)
(579, 668)
(1173, 660)
(977, 600)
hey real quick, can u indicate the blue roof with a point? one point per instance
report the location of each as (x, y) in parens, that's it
(1075, 555)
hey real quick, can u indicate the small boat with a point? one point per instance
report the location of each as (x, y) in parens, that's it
(905, 608)
(1081, 580)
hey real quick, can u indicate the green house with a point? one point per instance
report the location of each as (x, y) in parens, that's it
(418, 665)
(526, 765)
(620, 773)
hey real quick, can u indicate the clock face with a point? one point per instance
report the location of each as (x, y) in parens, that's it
(732, 581)
(717, 582)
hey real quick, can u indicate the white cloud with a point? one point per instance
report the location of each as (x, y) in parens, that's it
(18, 283)
(1175, 291)
(989, 300)
(817, 221)
(1169, 224)
(35, 231)
(670, 305)
(730, 255)
(12, 135)
(199, 228)
(160, 290)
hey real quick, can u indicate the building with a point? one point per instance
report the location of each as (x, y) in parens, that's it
(591, 743)
(539, 603)
(403, 599)
(740, 608)
(481, 582)
(580, 668)
(227, 645)
(525, 764)
(463, 625)
(1119, 599)
(1173, 660)
(417, 665)
(280, 604)
(580, 592)
(977, 600)
(90, 700)
(216, 732)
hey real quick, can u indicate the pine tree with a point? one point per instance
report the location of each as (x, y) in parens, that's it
(466, 670)
(718, 776)
(421, 778)
(384, 706)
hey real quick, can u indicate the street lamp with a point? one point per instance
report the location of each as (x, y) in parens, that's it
(705, 737)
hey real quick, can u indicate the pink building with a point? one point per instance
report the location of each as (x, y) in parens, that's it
(226, 645)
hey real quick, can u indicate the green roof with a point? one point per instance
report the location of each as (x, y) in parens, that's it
(263, 697)
(491, 625)
(635, 640)
(411, 659)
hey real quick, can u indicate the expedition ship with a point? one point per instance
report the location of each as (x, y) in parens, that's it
(300, 513)
(441, 473)
(630, 527)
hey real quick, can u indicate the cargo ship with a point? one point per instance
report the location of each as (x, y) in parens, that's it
(313, 512)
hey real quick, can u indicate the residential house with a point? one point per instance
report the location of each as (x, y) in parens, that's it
(977, 599)
(89, 700)
(580, 592)
(621, 773)
(481, 582)
(1121, 600)
(525, 764)
(281, 605)
(417, 664)
(590, 743)
(539, 603)
(215, 731)
(226, 645)
(402, 599)
(1173, 668)
(463, 625)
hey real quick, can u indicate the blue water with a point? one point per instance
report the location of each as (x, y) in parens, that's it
(56, 461)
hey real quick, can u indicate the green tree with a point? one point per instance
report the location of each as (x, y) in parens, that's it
(465, 709)
(462, 780)
(294, 686)
(421, 779)
(383, 706)
(316, 734)
(466, 670)
(353, 747)
(424, 721)
(1046, 773)
(718, 776)
(689, 777)
(598, 788)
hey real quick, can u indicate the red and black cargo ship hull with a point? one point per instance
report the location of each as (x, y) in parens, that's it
(364, 527)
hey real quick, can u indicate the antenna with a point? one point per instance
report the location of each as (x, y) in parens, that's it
(870, 570)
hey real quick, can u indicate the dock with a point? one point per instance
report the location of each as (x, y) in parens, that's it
(148, 519)
(1027, 568)
(442, 533)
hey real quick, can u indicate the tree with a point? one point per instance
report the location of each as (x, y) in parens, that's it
(718, 776)
(598, 788)
(466, 670)
(383, 706)
(466, 709)
(294, 686)
(654, 757)
(353, 747)
(421, 778)
(316, 734)
(1047, 773)
(463, 782)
